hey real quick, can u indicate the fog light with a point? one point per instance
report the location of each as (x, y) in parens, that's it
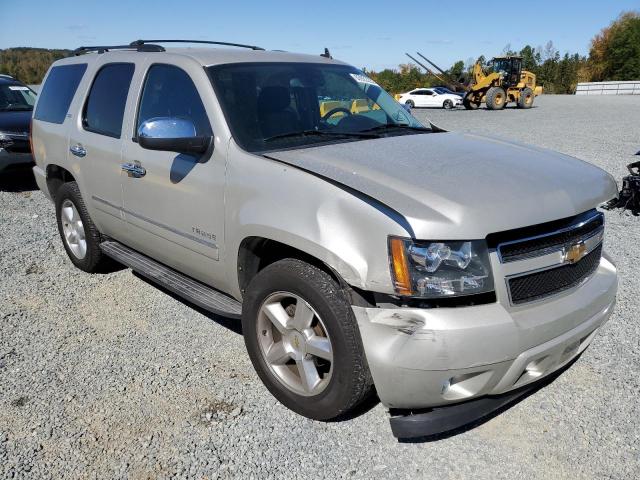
(465, 385)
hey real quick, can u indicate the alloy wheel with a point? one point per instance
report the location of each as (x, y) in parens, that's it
(294, 343)
(73, 229)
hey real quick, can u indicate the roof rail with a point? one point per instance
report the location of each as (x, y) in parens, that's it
(138, 43)
(146, 47)
(4, 75)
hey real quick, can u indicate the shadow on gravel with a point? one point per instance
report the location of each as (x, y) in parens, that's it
(21, 180)
(229, 323)
(480, 421)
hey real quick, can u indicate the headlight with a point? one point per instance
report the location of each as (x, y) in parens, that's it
(433, 269)
(5, 140)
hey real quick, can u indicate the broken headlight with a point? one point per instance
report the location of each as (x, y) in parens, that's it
(434, 269)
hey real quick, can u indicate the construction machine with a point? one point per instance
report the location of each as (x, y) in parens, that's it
(504, 81)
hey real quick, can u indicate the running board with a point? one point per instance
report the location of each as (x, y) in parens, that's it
(186, 287)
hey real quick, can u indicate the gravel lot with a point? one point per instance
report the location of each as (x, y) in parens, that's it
(106, 376)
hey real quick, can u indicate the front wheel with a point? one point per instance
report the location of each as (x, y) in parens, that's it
(410, 103)
(526, 98)
(469, 104)
(303, 340)
(447, 105)
(496, 98)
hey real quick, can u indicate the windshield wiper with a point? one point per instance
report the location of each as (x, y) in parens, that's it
(393, 126)
(305, 133)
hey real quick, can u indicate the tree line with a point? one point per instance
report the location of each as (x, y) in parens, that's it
(29, 64)
(614, 55)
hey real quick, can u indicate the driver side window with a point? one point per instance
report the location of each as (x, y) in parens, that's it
(169, 92)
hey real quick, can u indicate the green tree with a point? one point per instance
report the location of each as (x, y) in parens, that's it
(29, 64)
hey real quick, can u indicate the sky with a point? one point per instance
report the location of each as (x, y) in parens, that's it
(372, 34)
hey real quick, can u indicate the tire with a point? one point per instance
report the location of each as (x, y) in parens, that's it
(410, 103)
(526, 98)
(72, 215)
(469, 105)
(345, 380)
(496, 98)
(447, 104)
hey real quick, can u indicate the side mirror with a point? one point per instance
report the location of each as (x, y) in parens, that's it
(171, 134)
(406, 107)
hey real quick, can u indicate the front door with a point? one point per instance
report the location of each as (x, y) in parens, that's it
(174, 209)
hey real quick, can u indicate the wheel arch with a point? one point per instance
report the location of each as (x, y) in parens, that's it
(257, 252)
(56, 177)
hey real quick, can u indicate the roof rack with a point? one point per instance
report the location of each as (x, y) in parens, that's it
(139, 43)
(144, 47)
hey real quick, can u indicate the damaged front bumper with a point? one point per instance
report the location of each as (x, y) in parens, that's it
(425, 358)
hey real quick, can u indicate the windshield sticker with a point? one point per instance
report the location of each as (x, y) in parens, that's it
(362, 79)
(13, 87)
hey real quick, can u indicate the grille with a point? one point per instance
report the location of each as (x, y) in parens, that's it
(534, 286)
(543, 243)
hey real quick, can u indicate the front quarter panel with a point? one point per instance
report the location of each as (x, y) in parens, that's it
(269, 199)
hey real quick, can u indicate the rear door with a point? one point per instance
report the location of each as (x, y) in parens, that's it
(420, 98)
(96, 142)
(429, 98)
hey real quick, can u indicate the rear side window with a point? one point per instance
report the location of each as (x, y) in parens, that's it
(104, 109)
(58, 91)
(170, 92)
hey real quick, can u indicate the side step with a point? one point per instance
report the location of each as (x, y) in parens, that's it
(186, 287)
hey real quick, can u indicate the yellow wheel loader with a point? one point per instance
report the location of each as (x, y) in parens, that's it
(504, 82)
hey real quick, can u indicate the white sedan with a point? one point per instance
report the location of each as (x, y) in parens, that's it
(426, 97)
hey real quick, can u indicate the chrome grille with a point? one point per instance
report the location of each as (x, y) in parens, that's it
(537, 285)
(547, 259)
(585, 228)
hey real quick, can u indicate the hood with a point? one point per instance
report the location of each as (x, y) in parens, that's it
(460, 186)
(15, 121)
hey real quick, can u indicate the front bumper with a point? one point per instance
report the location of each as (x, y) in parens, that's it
(9, 159)
(423, 358)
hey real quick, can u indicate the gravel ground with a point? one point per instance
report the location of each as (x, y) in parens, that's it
(106, 376)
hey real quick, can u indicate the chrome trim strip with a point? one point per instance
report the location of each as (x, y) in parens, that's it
(156, 223)
(555, 248)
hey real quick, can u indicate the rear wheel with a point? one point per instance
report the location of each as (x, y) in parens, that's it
(469, 104)
(496, 98)
(447, 105)
(303, 340)
(80, 237)
(526, 98)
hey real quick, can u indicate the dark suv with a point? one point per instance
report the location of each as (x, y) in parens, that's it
(16, 105)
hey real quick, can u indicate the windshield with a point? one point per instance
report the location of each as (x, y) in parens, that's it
(16, 97)
(501, 65)
(287, 105)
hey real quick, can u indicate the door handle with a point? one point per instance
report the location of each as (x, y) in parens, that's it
(78, 150)
(134, 170)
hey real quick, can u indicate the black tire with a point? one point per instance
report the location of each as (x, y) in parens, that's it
(469, 105)
(350, 382)
(526, 98)
(410, 103)
(496, 98)
(94, 260)
(447, 104)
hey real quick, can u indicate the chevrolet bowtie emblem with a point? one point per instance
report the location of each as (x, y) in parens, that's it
(575, 253)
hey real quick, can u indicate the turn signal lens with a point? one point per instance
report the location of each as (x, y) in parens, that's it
(400, 266)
